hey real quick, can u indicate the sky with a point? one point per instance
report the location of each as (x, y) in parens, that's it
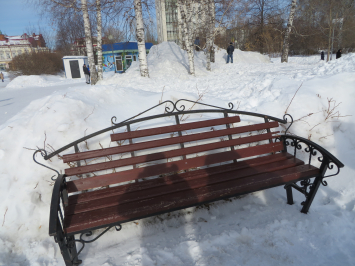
(17, 17)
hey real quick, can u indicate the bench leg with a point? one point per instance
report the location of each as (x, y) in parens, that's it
(289, 194)
(312, 193)
(67, 248)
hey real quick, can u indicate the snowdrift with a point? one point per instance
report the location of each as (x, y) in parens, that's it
(169, 60)
(253, 230)
(40, 81)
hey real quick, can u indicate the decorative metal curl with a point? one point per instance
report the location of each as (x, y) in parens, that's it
(330, 166)
(285, 118)
(182, 107)
(89, 233)
(44, 153)
(167, 109)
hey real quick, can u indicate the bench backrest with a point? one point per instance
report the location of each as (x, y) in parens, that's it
(171, 149)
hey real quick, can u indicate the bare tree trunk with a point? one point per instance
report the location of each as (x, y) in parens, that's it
(99, 39)
(181, 27)
(210, 32)
(187, 36)
(213, 29)
(143, 65)
(286, 45)
(88, 41)
(208, 22)
(330, 32)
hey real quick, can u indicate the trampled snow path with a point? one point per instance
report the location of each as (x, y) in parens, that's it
(258, 229)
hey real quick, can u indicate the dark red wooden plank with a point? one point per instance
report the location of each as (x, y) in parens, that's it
(170, 167)
(165, 142)
(174, 128)
(183, 199)
(157, 182)
(204, 177)
(168, 154)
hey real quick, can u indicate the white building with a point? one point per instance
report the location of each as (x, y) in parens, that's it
(73, 66)
(167, 20)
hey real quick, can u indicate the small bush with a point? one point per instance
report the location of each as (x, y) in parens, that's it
(37, 63)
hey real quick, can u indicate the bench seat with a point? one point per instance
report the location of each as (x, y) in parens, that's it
(178, 191)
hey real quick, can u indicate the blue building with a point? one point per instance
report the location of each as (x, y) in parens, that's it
(119, 56)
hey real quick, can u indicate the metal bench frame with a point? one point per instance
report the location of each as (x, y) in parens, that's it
(67, 242)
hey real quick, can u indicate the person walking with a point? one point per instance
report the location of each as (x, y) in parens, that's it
(338, 55)
(322, 55)
(197, 44)
(87, 74)
(2, 76)
(230, 51)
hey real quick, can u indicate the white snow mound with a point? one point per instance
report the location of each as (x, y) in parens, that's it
(168, 59)
(39, 81)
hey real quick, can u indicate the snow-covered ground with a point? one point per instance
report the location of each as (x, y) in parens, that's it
(258, 229)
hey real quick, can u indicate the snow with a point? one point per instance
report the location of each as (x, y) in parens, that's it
(258, 229)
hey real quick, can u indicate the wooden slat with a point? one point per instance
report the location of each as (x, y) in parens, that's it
(165, 142)
(139, 173)
(158, 182)
(174, 128)
(192, 180)
(166, 154)
(186, 198)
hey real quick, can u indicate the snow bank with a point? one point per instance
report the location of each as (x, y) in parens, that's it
(241, 57)
(39, 81)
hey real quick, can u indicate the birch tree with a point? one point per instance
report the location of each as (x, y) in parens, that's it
(186, 35)
(143, 65)
(88, 41)
(210, 32)
(286, 44)
(99, 39)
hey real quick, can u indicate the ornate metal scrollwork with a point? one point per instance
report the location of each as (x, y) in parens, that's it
(44, 153)
(285, 118)
(87, 234)
(175, 108)
(313, 150)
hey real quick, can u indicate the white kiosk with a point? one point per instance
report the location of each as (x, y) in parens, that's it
(73, 66)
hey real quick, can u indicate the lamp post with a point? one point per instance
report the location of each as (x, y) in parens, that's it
(110, 37)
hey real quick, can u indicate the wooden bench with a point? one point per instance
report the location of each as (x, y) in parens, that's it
(161, 169)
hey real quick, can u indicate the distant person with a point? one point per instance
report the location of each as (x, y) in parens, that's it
(338, 54)
(230, 51)
(322, 55)
(197, 44)
(2, 76)
(87, 74)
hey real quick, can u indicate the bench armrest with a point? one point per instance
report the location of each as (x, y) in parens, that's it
(55, 209)
(311, 148)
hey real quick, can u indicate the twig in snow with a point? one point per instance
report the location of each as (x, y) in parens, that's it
(29, 149)
(162, 93)
(4, 216)
(293, 97)
(36, 185)
(45, 138)
(90, 114)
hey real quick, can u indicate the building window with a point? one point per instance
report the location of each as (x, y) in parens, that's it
(171, 20)
(134, 58)
(8, 56)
